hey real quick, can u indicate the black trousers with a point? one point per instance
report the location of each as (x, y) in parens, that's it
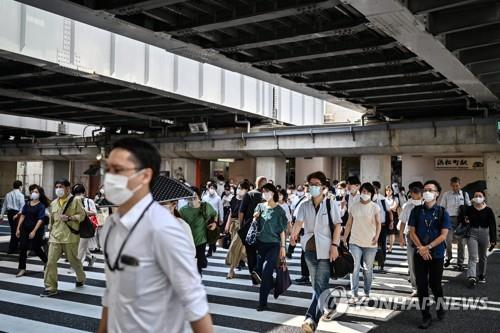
(382, 241)
(201, 258)
(35, 244)
(304, 270)
(14, 241)
(251, 256)
(428, 273)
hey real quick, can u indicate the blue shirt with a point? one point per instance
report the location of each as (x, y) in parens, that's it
(428, 227)
(272, 221)
(33, 214)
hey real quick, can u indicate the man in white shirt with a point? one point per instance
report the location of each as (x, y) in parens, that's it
(452, 201)
(152, 284)
(12, 205)
(416, 190)
(321, 246)
(212, 197)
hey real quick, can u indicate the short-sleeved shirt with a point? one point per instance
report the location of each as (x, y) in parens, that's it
(428, 226)
(272, 222)
(316, 223)
(198, 221)
(248, 204)
(405, 215)
(364, 224)
(32, 214)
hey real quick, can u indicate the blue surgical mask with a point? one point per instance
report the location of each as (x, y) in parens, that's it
(315, 191)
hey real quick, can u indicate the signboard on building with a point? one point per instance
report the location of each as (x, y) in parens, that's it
(467, 163)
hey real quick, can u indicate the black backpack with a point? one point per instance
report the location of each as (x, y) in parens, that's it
(86, 229)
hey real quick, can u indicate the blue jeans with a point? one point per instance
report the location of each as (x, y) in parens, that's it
(320, 276)
(367, 254)
(267, 258)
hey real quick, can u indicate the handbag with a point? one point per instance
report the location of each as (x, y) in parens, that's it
(253, 231)
(226, 241)
(462, 230)
(86, 229)
(344, 264)
(283, 281)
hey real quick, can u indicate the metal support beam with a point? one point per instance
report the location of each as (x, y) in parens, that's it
(46, 99)
(257, 17)
(427, 6)
(294, 38)
(395, 89)
(135, 7)
(481, 54)
(491, 78)
(330, 67)
(425, 100)
(328, 51)
(411, 96)
(486, 67)
(460, 19)
(488, 35)
(365, 75)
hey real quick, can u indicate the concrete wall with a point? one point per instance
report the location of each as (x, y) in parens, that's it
(376, 167)
(242, 169)
(492, 176)
(7, 176)
(421, 168)
(30, 172)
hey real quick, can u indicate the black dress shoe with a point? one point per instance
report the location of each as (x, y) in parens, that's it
(303, 280)
(441, 314)
(426, 323)
(261, 308)
(447, 262)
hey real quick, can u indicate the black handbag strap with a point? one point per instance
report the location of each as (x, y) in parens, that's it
(70, 200)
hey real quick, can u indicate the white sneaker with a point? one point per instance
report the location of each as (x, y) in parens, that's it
(330, 315)
(92, 261)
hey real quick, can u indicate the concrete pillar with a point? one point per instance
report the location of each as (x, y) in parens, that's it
(272, 168)
(492, 176)
(376, 167)
(8, 175)
(305, 166)
(52, 171)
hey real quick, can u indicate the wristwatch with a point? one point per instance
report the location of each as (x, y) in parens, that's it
(429, 246)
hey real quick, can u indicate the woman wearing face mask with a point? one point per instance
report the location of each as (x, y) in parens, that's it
(236, 251)
(200, 217)
(364, 227)
(483, 234)
(393, 202)
(78, 190)
(30, 228)
(270, 241)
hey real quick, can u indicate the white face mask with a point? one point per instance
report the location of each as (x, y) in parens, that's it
(478, 200)
(211, 191)
(429, 196)
(299, 194)
(366, 197)
(281, 197)
(354, 190)
(35, 196)
(416, 202)
(60, 192)
(116, 188)
(267, 196)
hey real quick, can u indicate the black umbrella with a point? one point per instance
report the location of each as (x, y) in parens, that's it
(471, 188)
(170, 189)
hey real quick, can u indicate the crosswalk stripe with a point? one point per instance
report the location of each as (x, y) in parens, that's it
(29, 326)
(228, 299)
